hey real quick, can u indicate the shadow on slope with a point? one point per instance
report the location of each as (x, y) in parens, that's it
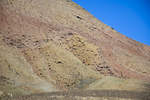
(147, 87)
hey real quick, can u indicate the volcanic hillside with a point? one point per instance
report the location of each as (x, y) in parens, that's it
(55, 45)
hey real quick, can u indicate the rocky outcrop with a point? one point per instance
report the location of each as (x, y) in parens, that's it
(55, 45)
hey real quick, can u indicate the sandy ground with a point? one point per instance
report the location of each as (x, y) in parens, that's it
(86, 95)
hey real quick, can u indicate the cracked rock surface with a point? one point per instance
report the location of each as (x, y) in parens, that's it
(55, 45)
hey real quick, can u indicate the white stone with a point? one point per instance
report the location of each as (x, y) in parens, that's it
(1, 93)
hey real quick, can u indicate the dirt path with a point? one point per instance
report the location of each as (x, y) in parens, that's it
(79, 95)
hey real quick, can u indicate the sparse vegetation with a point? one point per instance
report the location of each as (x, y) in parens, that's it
(55, 45)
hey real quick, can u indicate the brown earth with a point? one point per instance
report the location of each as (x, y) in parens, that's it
(85, 95)
(53, 45)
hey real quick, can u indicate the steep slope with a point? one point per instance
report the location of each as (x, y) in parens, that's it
(16, 74)
(51, 45)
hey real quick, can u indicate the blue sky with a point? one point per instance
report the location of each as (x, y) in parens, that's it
(129, 17)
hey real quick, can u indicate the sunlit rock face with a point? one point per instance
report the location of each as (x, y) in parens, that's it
(55, 45)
